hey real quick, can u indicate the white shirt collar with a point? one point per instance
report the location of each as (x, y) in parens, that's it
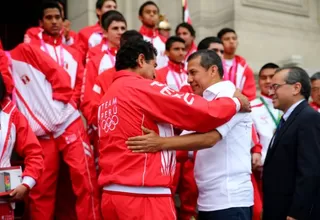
(220, 89)
(291, 109)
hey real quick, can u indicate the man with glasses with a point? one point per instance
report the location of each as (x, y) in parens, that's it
(315, 91)
(291, 169)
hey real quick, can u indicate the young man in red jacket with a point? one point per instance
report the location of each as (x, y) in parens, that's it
(315, 91)
(236, 67)
(149, 17)
(68, 36)
(91, 36)
(188, 34)
(140, 184)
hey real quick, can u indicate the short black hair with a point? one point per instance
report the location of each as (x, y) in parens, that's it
(188, 27)
(205, 43)
(100, 3)
(208, 59)
(110, 16)
(129, 52)
(146, 4)
(268, 66)
(131, 35)
(48, 4)
(3, 90)
(297, 74)
(224, 31)
(172, 40)
(315, 76)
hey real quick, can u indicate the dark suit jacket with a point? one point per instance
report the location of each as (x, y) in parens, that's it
(291, 173)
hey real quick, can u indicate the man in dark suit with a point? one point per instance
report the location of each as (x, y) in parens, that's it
(291, 170)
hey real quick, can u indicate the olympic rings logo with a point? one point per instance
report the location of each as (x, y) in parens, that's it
(110, 123)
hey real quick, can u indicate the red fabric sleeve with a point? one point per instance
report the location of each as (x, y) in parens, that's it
(28, 146)
(32, 35)
(81, 44)
(6, 74)
(183, 110)
(249, 87)
(55, 74)
(257, 147)
(90, 76)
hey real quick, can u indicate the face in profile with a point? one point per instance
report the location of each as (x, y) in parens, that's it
(147, 67)
(199, 78)
(315, 91)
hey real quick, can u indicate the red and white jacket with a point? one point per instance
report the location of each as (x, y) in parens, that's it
(132, 101)
(87, 38)
(174, 75)
(42, 91)
(191, 51)
(242, 77)
(66, 57)
(159, 42)
(95, 66)
(98, 49)
(264, 124)
(34, 34)
(91, 104)
(315, 106)
(17, 135)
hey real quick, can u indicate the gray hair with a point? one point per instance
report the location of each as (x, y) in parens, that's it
(298, 75)
(315, 76)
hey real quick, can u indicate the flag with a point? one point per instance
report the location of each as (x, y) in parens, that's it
(186, 15)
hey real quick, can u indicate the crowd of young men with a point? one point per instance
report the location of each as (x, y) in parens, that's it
(128, 83)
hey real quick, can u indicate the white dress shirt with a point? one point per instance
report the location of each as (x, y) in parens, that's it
(291, 109)
(223, 171)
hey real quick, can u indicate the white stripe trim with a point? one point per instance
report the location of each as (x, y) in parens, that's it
(138, 189)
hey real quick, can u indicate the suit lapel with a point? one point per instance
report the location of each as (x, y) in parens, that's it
(273, 144)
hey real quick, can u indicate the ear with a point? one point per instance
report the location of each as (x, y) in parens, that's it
(98, 12)
(166, 53)
(297, 88)
(141, 60)
(105, 33)
(213, 71)
(140, 18)
(41, 23)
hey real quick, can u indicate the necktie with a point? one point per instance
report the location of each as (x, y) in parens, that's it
(280, 125)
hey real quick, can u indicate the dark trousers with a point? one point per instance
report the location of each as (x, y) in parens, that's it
(241, 213)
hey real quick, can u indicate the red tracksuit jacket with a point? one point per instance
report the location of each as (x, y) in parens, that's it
(132, 101)
(42, 90)
(17, 135)
(315, 106)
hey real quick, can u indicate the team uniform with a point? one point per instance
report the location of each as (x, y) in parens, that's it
(315, 106)
(144, 180)
(189, 52)
(159, 42)
(87, 38)
(34, 34)
(17, 135)
(44, 94)
(174, 75)
(241, 75)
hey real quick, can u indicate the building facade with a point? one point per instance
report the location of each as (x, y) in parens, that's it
(286, 32)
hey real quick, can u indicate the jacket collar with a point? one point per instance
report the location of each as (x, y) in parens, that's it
(176, 67)
(52, 40)
(149, 32)
(314, 105)
(125, 73)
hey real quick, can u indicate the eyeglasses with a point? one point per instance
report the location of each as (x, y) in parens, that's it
(275, 87)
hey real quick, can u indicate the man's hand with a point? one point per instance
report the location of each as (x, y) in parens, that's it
(256, 160)
(66, 29)
(19, 193)
(244, 101)
(148, 143)
(290, 218)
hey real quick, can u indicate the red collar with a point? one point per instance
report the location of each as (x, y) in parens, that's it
(192, 49)
(51, 40)
(113, 51)
(176, 67)
(314, 105)
(148, 32)
(125, 73)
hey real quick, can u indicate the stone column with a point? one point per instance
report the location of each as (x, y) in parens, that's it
(81, 13)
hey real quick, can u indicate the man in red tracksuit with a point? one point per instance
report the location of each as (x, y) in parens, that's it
(315, 91)
(68, 36)
(91, 36)
(237, 69)
(44, 95)
(138, 186)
